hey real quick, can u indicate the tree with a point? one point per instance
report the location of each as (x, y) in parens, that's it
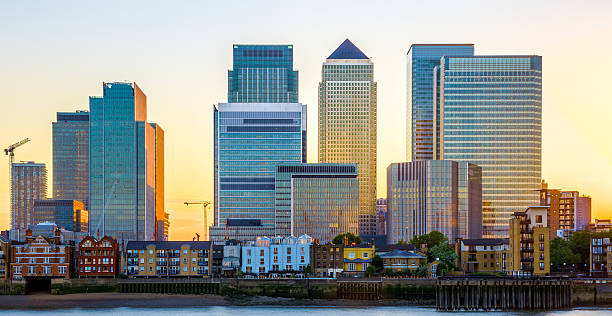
(370, 271)
(351, 239)
(432, 239)
(560, 253)
(378, 263)
(580, 244)
(444, 253)
(422, 271)
(307, 270)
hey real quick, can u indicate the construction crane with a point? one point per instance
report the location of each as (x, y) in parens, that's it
(205, 205)
(10, 151)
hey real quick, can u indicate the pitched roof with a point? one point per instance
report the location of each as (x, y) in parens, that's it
(347, 50)
(485, 241)
(402, 254)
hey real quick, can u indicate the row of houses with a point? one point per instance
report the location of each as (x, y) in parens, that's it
(42, 256)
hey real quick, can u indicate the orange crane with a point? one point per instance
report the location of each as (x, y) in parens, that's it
(10, 151)
(205, 205)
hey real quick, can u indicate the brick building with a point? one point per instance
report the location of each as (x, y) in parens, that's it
(482, 255)
(170, 259)
(326, 260)
(98, 258)
(41, 256)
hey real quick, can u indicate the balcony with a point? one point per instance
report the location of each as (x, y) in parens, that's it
(528, 259)
(527, 241)
(203, 262)
(527, 249)
(174, 263)
(174, 255)
(132, 255)
(162, 255)
(162, 263)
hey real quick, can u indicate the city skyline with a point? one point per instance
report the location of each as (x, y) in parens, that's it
(184, 84)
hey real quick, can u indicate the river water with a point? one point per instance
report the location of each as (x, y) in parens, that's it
(288, 311)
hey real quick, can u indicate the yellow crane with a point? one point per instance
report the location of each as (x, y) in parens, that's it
(205, 205)
(10, 151)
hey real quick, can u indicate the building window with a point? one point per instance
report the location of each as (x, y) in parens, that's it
(541, 265)
(288, 251)
(351, 267)
(541, 237)
(61, 269)
(365, 255)
(541, 246)
(539, 219)
(18, 270)
(150, 269)
(261, 252)
(351, 255)
(276, 251)
(364, 266)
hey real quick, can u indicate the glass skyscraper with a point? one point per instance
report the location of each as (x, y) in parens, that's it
(160, 208)
(28, 183)
(347, 122)
(122, 164)
(491, 115)
(263, 74)
(320, 200)
(71, 156)
(428, 195)
(68, 214)
(250, 139)
(422, 58)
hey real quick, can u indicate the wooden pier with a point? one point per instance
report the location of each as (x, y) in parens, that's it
(503, 294)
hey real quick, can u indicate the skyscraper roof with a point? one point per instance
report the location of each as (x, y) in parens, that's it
(347, 50)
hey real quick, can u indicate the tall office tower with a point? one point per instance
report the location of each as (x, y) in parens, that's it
(347, 122)
(491, 116)
(320, 200)
(160, 208)
(68, 214)
(381, 216)
(428, 195)
(583, 213)
(28, 183)
(71, 156)
(250, 139)
(122, 164)
(263, 74)
(422, 58)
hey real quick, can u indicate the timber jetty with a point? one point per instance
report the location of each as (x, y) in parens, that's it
(474, 294)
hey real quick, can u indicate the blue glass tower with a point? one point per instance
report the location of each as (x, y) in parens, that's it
(122, 164)
(263, 74)
(71, 156)
(422, 58)
(491, 116)
(250, 139)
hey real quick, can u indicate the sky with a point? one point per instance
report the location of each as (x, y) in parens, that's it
(55, 54)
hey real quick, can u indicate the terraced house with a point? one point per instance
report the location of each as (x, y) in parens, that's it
(98, 258)
(276, 255)
(400, 260)
(483, 255)
(168, 259)
(357, 258)
(41, 257)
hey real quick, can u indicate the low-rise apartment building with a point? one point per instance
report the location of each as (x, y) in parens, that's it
(600, 258)
(530, 242)
(168, 259)
(231, 258)
(5, 251)
(326, 260)
(482, 255)
(97, 258)
(357, 258)
(600, 226)
(276, 255)
(41, 256)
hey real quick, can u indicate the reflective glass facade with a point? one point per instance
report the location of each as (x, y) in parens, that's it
(347, 122)
(160, 234)
(122, 164)
(71, 156)
(319, 200)
(428, 195)
(491, 115)
(263, 74)
(68, 214)
(28, 183)
(250, 140)
(422, 58)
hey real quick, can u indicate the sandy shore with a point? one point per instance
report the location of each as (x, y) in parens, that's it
(145, 300)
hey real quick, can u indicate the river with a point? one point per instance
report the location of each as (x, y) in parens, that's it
(275, 310)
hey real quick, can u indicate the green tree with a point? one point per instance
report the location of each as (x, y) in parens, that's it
(370, 271)
(444, 253)
(422, 271)
(432, 239)
(351, 238)
(560, 253)
(307, 270)
(378, 263)
(580, 244)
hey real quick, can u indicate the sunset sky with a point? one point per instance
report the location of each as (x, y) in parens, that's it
(54, 55)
